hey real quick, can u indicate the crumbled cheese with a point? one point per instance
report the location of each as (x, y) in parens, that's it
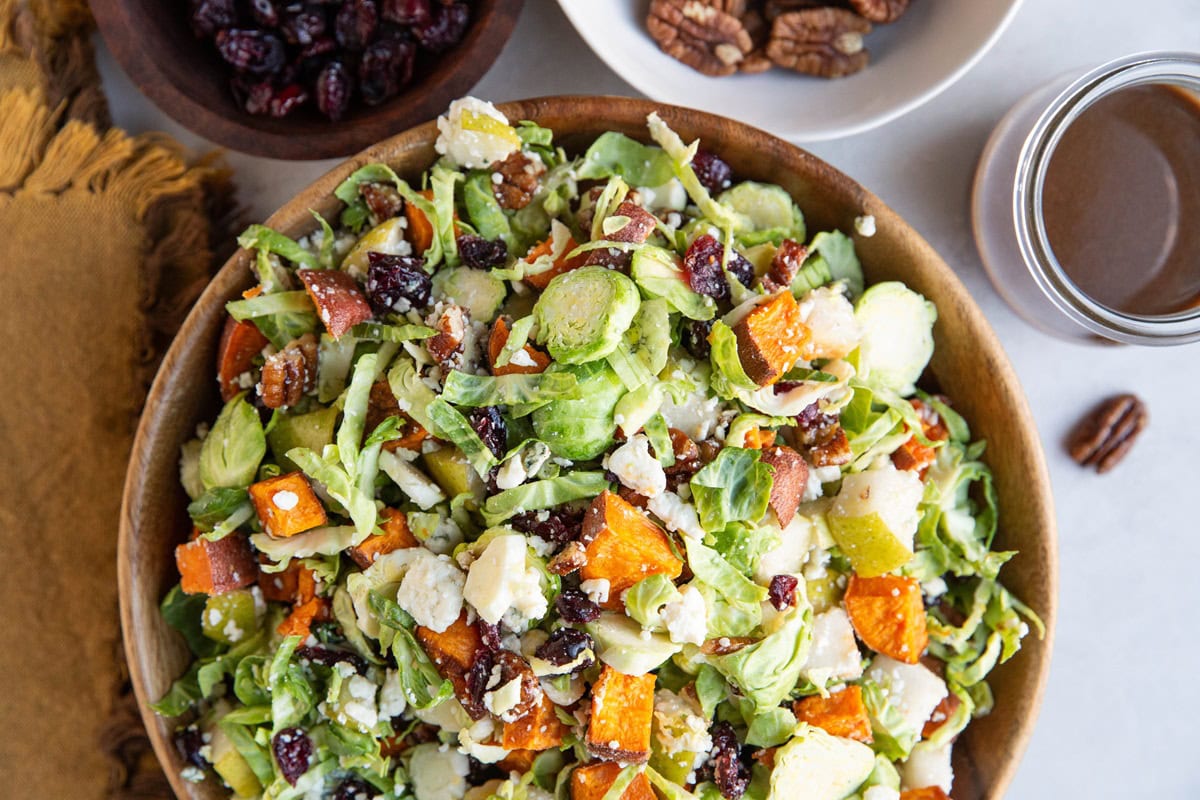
(192, 774)
(686, 617)
(511, 473)
(392, 700)
(865, 225)
(636, 468)
(670, 196)
(448, 715)
(472, 742)
(469, 148)
(833, 655)
(500, 581)
(676, 514)
(445, 537)
(438, 773)
(355, 705)
(285, 500)
(680, 726)
(521, 358)
(503, 699)
(432, 591)
(596, 589)
(697, 416)
(232, 633)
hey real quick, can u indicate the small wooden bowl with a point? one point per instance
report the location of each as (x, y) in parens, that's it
(186, 78)
(969, 364)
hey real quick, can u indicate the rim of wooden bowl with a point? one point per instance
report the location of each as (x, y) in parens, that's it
(969, 363)
(190, 84)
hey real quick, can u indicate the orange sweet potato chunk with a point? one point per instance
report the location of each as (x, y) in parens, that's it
(496, 341)
(339, 302)
(789, 479)
(622, 714)
(841, 714)
(395, 536)
(295, 584)
(941, 713)
(592, 781)
(287, 505)
(453, 652)
(299, 622)
(563, 264)
(914, 456)
(928, 793)
(759, 439)
(540, 729)
(888, 615)
(215, 567)
(770, 338)
(420, 229)
(240, 343)
(623, 547)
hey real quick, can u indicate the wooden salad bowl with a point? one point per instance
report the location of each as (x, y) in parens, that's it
(186, 78)
(969, 365)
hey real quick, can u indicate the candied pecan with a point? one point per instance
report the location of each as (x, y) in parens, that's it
(814, 427)
(639, 224)
(1103, 437)
(760, 33)
(383, 201)
(518, 183)
(832, 453)
(446, 345)
(570, 559)
(789, 257)
(635, 499)
(880, 11)
(826, 42)
(725, 645)
(687, 459)
(704, 37)
(513, 667)
(290, 373)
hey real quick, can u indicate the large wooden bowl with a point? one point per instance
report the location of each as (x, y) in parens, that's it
(186, 78)
(969, 364)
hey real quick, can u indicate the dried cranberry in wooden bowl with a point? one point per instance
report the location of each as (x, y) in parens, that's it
(182, 55)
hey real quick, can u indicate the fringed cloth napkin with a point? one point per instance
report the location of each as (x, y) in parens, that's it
(105, 241)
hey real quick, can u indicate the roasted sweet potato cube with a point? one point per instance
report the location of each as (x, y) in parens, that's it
(928, 793)
(540, 729)
(941, 713)
(759, 438)
(770, 338)
(640, 225)
(395, 536)
(295, 584)
(518, 761)
(215, 567)
(240, 343)
(841, 714)
(888, 614)
(496, 341)
(287, 505)
(381, 405)
(453, 652)
(623, 547)
(592, 782)
(299, 622)
(340, 304)
(917, 457)
(562, 264)
(622, 713)
(790, 477)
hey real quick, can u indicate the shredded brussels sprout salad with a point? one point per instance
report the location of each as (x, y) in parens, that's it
(593, 477)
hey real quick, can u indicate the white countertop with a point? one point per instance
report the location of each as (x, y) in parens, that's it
(1119, 715)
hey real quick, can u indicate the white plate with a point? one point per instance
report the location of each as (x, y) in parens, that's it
(912, 60)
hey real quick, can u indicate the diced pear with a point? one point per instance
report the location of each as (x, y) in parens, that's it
(232, 767)
(873, 519)
(450, 468)
(386, 237)
(814, 765)
(313, 430)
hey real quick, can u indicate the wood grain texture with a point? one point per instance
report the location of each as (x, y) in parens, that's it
(969, 364)
(186, 78)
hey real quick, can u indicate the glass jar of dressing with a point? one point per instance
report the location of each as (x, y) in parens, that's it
(1087, 203)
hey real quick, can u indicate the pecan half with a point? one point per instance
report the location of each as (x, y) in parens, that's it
(514, 667)
(880, 11)
(700, 35)
(383, 201)
(773, 8)
(290, 373)
(570, 559)
(760, 32)
(1103, 437)
(827, 42)
(637, 226)
(518, 184)
(788, 259)
(451, 327)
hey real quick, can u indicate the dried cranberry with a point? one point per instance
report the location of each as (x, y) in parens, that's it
(250, 51)
(782, 592)
(353, 788)
(574, 606)
(814, 427)
(445, 29)
(557, 525)
(702, 267)
(482, 253)
(210, 16)
(328, 657)
(694, 337)
(740, 267)
(188, 742)
(407, 12)
(320, 46)
(564, 646)
(304, 25)
(288, 99)
(386, 66)
(253, 96)
(730, 773)
(265, 13)
(293, 752)
(334, 88)
(479, 773)
(392, 279)
(490, 634)
(478, 677)
(713, 172)
(489, 426)
(355, 24)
